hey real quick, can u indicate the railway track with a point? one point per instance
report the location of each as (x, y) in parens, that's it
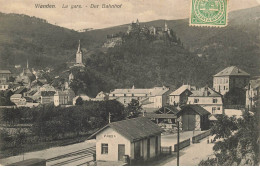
(73, 157)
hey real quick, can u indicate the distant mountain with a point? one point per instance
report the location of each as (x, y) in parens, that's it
(44, 44)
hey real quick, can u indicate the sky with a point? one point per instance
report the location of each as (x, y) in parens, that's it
(77, 19)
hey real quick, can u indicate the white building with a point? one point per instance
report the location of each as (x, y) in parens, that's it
(208, 99)
(47, 87)
(150, 98)
(101, 96)
(138, 138)
(252, 93)
(4, 86)
(180, 96)
(63, 97)
(230, 78)
(18, 99)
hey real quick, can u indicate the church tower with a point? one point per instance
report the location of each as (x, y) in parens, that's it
(79, 55)
(165, 27)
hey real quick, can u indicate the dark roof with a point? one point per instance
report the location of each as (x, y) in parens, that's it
(205, 92)
(232, 71)
(197, 108)
(161, 116)
(20, 90)
(133, 129)
(47, 93)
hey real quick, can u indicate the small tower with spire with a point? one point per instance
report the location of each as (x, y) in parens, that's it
(79, 55)
(27, 65)
(165, 26)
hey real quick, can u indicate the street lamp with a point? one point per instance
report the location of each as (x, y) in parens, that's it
(178, 141)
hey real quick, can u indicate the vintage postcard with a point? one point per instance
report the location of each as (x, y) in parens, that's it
(129, 82)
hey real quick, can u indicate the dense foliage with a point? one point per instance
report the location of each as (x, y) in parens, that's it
(48, 123)
(239, 143)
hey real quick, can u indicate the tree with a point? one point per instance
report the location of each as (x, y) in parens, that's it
(224, 126)
(79, 101)
(133, 109)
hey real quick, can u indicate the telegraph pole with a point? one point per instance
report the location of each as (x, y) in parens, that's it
(178, 141)
(109, 117)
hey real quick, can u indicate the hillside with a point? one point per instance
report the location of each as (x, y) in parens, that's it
(142, 63)
(237, 44)
(23, 37)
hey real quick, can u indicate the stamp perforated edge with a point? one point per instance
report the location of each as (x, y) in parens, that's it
(209, 25)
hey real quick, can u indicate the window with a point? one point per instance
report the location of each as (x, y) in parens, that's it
(124, 95)
(133, 95)
(196, 100)
(113, 95)
(218, 108)
(213, 109)
(215, 100)
(104, 148)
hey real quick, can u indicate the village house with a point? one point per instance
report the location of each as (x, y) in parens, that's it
(5, 76)
(180, 96)
(252, 93)
(4, 86)
(101, 96)
(137, 138)
(18, 99)
(63, 97)
(47, 87)
(230, 78)
(208, 99)
(149, 98)
(164, 117)
(47, 97)
(193, 117)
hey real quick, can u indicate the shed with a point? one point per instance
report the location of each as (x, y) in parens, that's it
(194, 117)
(139, 138)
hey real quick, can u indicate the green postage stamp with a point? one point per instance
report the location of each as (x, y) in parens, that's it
(211, 13)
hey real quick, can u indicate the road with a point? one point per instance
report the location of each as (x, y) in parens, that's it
(171, 139)
(192, 155)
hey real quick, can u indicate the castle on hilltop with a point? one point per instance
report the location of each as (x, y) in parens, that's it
(156, 33)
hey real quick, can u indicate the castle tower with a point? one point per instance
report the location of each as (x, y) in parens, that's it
(79, 55)
(137, 22)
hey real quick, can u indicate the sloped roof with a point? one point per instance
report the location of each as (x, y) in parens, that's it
(232, 71)
(5, 72)
(133, 129)
(47, 93)
(205, 92)
(20, 90)
(197, 108)
(161, 116)
(180, 90)
(156, 91)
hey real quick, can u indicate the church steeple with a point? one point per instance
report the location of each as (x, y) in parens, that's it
(79, 55)
(79, 48)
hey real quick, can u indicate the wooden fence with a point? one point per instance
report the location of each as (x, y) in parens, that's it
(182, 145)
(200, 136)
(166, 150)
